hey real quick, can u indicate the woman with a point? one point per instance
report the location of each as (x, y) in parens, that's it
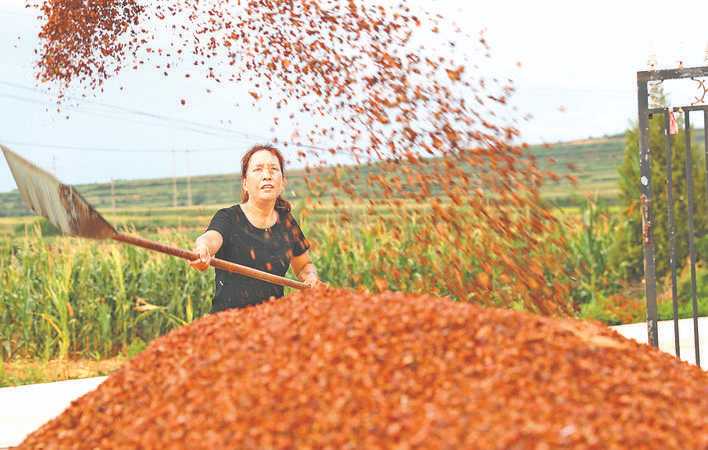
(260, 233)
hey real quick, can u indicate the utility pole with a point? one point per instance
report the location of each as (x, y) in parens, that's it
(189, 180)
(113, 195)
(236, 184)
(174, 180)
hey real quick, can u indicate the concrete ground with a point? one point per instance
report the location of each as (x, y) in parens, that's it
(687, 349)
(26, 408)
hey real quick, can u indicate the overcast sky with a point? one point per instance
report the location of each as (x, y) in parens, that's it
(577, 78)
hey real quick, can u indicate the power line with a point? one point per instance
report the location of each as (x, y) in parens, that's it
(174, 181)
(137, 112)
(115, 117)
(115, 149)
(124, 149)
(188, 125)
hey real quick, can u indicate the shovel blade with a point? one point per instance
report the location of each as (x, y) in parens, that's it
(61, 204)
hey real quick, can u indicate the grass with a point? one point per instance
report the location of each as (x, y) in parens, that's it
(31, 371)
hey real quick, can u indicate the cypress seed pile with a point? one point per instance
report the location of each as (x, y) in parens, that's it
(342, 370)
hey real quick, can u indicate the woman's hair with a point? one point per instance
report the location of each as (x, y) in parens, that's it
(280, 203)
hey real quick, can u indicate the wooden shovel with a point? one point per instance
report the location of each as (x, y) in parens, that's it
(67, 210)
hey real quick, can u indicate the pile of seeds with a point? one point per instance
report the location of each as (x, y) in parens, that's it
(342, 370)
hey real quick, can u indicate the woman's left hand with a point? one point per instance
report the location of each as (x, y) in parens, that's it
(312, 281)
(305, 270)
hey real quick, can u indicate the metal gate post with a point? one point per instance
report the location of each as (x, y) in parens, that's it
(672, 229)
(647, 216)
(705, 144)
(691, 246)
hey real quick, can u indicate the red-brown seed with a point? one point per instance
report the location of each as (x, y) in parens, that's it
(339, 369)
(382, 99)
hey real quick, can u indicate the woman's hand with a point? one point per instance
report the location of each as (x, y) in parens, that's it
(202, 263)
(311, 280)
(305, 270)
(205, 246)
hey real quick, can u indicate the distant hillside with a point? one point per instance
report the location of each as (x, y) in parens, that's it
(595, 160)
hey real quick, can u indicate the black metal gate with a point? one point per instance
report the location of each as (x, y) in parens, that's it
(643, 79)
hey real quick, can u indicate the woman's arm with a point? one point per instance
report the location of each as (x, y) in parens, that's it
(305, 270)
(206, 247)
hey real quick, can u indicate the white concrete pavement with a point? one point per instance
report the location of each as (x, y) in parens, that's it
(687, 348)
(23, 409)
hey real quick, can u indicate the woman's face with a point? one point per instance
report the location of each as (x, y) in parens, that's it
(264, 180)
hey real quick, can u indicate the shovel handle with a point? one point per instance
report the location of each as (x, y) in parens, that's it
(215, 262)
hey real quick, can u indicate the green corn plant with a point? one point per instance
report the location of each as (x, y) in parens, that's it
(59, 310)
(103, 342)
(590, 246)
(120, 304)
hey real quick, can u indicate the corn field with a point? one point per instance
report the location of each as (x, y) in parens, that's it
(65, 297)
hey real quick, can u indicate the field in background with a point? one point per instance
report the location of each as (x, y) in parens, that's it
(595, 161)
(147, 205)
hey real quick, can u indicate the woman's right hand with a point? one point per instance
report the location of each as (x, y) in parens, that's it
(202, 263)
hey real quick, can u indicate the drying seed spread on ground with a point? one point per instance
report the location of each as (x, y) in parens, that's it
(366, 81)
(342, 370)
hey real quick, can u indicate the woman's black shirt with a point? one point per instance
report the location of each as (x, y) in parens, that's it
(269, 250)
